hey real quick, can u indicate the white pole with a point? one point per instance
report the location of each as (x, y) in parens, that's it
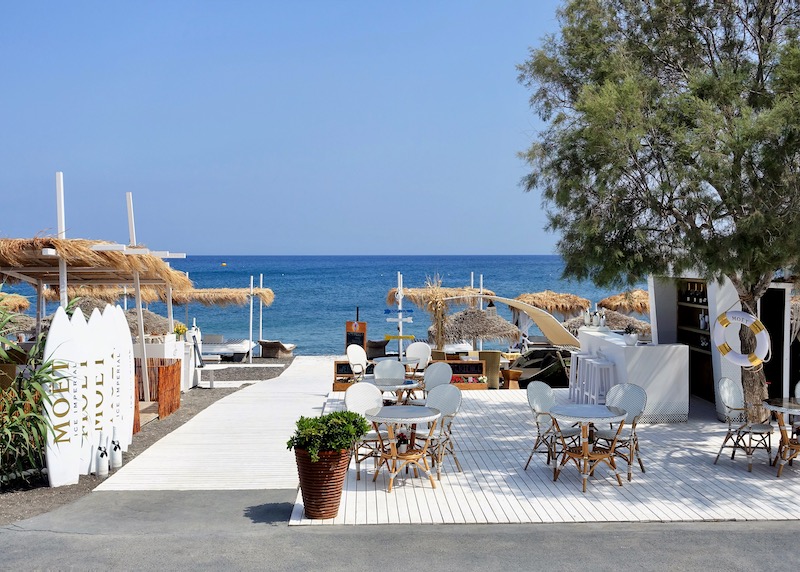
(138, 290)
(170, 319)
(260, 309)
(251, 319)
(472, 280)
(40, 307)
(400, 315)
(480, 302)
(62, 233)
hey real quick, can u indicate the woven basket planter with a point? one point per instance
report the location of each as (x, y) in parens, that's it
(321, 482)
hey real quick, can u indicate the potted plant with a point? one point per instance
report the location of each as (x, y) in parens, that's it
(322, 447)
(630, 335)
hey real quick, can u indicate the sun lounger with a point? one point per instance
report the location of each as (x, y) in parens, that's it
(276, 349)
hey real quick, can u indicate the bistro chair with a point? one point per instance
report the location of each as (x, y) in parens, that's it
(447, 399)
(789, 448)
(422, 352)
(389, 369)
(359, 398)
(633, 399)
(436, 374)
(357, 357)
(541, 399)
(747, 436)
(587, 458)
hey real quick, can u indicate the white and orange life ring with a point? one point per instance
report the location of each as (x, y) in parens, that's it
(762, 338)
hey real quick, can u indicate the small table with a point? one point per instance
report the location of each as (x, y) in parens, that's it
(395, 385)
(394, 460)
(787, 450)
(584, 456)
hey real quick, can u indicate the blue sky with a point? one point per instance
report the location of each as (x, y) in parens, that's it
(296, 127)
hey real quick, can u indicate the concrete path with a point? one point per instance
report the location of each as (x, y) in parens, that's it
(237, 443)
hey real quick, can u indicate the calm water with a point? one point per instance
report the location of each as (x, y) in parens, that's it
(316, 295)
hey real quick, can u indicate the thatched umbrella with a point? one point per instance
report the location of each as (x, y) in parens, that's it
(21, 323)
(150, 294)
(421, 297)
(567, 305)
(154, 324)
(474, 324)
(14, 302)
(614, 321)
(631, 302)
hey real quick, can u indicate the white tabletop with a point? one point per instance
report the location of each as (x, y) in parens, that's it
(402, 414)
(588, 413)
(791, 405)
(393, 384)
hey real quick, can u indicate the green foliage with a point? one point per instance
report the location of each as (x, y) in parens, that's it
(23, 421)
(334, 431)
(672, 138)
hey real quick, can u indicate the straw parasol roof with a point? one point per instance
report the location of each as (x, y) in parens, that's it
(472, 324)
(634, 301)
(421, 297)
(14, 302)
(88, 261)
(20, 323)
(154, 324)
(150, 294)
(549, 301)
(614, 321)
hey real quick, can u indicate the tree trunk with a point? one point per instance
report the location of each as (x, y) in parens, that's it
(754, 382)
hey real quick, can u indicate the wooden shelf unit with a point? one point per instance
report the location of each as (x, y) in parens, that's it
(692, 303)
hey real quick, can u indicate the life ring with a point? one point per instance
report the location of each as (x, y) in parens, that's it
(762, 338)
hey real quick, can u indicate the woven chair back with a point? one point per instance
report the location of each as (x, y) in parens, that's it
(360, 397)
(445, 398)
(389, 369)
(630, 397)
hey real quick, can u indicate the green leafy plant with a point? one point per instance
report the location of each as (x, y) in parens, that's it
(334, 431)
(23, 422)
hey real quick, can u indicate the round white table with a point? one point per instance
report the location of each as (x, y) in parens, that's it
(393, 416)
(399, 386)
(587, 414)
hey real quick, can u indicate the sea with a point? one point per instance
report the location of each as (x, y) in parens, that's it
(316, 295)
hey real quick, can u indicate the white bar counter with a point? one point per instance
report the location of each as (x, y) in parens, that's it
(661, 370)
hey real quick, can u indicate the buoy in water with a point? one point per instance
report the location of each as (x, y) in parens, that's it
(224, 263)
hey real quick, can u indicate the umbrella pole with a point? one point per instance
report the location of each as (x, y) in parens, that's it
(137, 285)
(250, 350)
(260, 309)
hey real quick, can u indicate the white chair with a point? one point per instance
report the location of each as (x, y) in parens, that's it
(422, 352)
(633, 399)
(357, 357)
(447, 399)
(541, 399)
(748, 436)
(438, 373)
(389, 369)
(359, 398)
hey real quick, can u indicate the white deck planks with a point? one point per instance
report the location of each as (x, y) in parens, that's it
(236, 443)
(240, 443)
(494, 430)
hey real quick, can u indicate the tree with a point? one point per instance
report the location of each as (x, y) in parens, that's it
(671, 142)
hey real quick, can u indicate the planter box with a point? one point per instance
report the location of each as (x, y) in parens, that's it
(467, 386)
(341, 386)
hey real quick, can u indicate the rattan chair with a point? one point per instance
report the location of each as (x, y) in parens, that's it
(587, 458)
(746, 436)
(789, 448)
(436, 374)
(447, 399)
(633, 399)
(358, 398)
(541, 399)
(422, 352)
(389, 369)
(357, 357)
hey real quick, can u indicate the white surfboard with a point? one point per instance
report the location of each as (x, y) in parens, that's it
(63, 443)
(128, 377)
(100, 356)
(85, 374)
(113, 343)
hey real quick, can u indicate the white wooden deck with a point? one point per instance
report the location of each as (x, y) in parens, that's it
(236, 443)
(495, 429)
(240, 443)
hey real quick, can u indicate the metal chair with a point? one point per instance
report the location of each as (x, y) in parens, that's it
(633, 399)
(357, 356)
(359, 398)
(748, 436)
(541, 399)
(447, 399)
